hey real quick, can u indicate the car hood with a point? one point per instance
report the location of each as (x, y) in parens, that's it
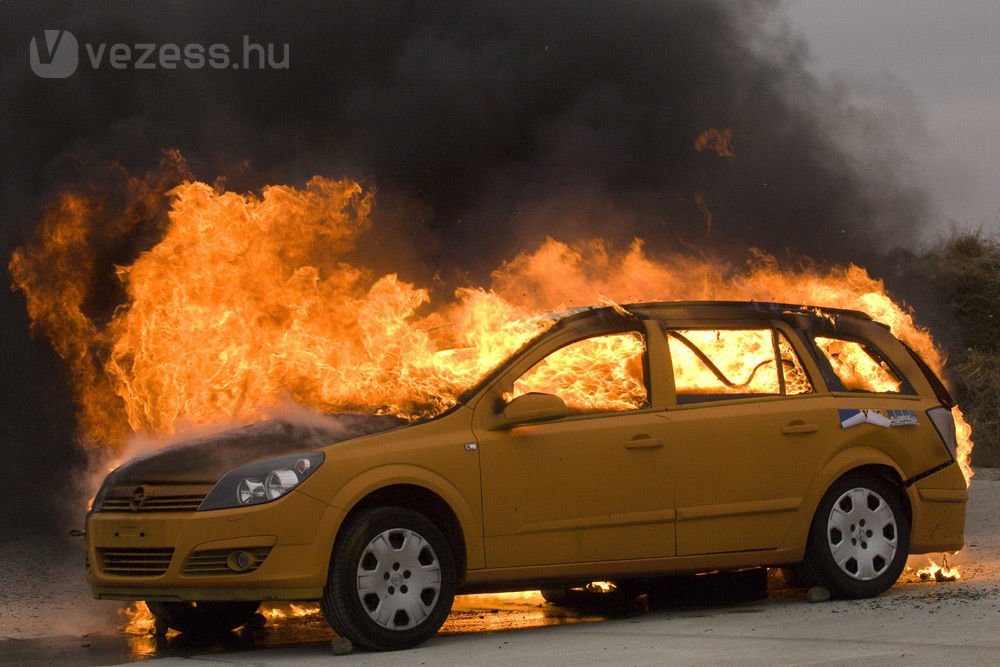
(206, 459)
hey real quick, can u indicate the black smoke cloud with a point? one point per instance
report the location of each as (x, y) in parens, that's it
(485, 126)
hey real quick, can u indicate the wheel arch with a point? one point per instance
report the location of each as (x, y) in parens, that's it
(424, 501)
(889, 474)
(854, 461)
(413, 487)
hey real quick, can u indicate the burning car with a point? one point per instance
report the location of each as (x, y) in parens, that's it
(624, 443)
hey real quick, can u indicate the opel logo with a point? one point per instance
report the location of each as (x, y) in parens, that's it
(137, 499)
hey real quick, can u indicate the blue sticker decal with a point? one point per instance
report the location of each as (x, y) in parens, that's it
(849, 418)
(903, 417)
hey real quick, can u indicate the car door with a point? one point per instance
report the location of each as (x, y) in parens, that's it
(591, 486)
(748, 432)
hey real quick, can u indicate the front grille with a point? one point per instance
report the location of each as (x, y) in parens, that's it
(156, 498)
(135, 562)
(156, 504)
(213, 562)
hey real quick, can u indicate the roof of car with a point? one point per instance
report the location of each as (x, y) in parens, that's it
(717, 310)
(750, 307)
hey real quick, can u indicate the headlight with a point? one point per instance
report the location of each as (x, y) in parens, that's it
(261, 481)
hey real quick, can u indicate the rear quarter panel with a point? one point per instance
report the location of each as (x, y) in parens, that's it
(907, 450)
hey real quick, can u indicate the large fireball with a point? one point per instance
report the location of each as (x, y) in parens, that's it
(246, 300)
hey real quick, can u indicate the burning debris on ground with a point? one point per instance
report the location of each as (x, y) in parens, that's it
(942, 572)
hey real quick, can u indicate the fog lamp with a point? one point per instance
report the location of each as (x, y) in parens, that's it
(240, 561)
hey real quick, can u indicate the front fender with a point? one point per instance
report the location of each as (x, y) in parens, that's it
(370, 481)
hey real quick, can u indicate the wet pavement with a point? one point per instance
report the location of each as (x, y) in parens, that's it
(302, 625)
(705, 624)
(471, 614)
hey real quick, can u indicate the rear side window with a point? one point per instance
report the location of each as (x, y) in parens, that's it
(860, 367)
(722, 364)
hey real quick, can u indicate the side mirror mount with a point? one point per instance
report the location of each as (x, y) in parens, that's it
(531, 408)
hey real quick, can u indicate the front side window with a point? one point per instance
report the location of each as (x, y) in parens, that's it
(721, 364)
(599, 374)
(859, 367)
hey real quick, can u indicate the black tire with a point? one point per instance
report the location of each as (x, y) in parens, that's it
(859, 539)
(203, 618)
(381, 609)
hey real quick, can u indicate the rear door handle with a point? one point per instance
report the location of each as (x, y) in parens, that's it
(643, 442)
(799, 427)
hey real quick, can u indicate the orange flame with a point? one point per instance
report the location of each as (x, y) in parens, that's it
(936, 572)
(248, 299)
(278, 611)
(137, 619)
(717, 141)
(588, 374)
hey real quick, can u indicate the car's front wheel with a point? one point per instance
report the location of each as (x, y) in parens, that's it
(860, 538)
(392, 580)
(203, 617)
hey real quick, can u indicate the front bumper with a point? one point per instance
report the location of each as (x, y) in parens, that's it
(186, 555)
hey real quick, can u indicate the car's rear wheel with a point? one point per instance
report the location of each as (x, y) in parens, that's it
(203, 617)
(860, 538)
(392, 580)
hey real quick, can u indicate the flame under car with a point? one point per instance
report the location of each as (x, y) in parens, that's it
(622, 444)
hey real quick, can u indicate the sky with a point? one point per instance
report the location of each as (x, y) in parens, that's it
(946, 55)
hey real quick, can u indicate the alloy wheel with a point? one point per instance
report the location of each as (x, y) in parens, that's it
(862, 534)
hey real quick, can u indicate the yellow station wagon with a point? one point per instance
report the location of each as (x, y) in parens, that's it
(623, 444)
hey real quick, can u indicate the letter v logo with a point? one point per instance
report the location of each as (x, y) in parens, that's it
(55, 56)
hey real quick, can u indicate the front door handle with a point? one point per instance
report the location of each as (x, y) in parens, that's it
(799, 427)
(643, 442)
